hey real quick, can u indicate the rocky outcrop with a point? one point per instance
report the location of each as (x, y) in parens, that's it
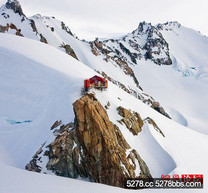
(152, 122)
(33, 26)
(6, 28)
(132, 120)
(155, 47)
(103, 144)
(33, 164)
(94, 148)
(69, 50)
(43, 39)
(97, 48)
(157, 107)
(66, 28)
(18, 31)
(119, 84)
(145, 98)
(56, 124)
(15, 6)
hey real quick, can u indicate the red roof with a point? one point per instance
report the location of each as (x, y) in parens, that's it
(98, 78)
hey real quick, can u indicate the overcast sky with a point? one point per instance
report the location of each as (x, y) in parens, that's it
(104, 18)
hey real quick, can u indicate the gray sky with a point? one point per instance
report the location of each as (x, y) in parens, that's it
(106, 18)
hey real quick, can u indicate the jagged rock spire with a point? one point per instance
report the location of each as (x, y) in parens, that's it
(15, 6)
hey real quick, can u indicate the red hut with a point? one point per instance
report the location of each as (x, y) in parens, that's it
(95, 82)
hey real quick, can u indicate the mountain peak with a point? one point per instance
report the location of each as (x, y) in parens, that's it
(15, 6)
(142, 27)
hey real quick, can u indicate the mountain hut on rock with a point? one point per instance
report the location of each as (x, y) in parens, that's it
(96, 82)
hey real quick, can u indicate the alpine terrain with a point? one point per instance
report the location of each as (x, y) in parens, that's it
(150, 121)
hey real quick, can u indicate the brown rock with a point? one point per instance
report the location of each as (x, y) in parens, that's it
(32, 165)
(152, 122)
(12, 26)
(133, 121)
(33, 26)
(69, 50)
(94, 49)
(43, 39)
(103, 144)
(157, 107)
(94, 149)
(64, 156)
(18, 33)
(3, 29)
(56, 124)
(98, 45)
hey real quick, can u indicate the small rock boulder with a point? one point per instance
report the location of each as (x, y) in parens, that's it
(133, 121)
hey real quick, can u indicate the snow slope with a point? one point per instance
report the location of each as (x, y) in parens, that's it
(183, 84)
(34, 79)
(81, 48)
(19, 181)
(38, 86)
(181, 88)
(13, 180)
(188, 50)
(185, 97)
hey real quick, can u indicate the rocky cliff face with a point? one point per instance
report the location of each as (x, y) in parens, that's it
(145, 42)
(155, 47)
(95, 148)
(103, 144)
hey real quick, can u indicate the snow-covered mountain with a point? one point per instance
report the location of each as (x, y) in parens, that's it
(36, 87)
(39, 84)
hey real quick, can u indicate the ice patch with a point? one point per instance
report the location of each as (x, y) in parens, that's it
(13, 122)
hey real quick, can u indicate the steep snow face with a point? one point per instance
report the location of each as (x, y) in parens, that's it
(188, 49)
(184, 93)
(33, 82)
(184, 98)
(53, 30)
